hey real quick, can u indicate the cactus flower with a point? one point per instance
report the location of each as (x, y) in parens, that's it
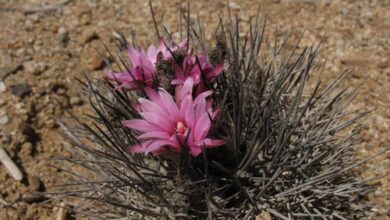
(192, 69)
(143, 65)
(174, 123)
(142, 69)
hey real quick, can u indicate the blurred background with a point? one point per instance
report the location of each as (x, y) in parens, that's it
(46, 44)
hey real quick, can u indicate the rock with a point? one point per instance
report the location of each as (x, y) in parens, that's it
(383, 63)
(58, 88)
(76, 101)
(35, 17)
(88, 36)
(356, 60)
(4, 120)
(20, 90)
(64, 39)
(7, 70)
(35, 184)
(26, 150)
(29, 25)
(234, 6)
(3, 88)
(21, 52)
(364, 135)
(85, 18)
(50, 123)
(62, 213)
(62, 30)
(35, 68)
(67, 155)
(96, 62)
(31, 41)
(2, 102)
(264, 216)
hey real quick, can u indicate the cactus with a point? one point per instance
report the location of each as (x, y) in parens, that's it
(288, 141)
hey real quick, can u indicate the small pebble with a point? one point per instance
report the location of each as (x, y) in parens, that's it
(35, 17)
(76, 101)
(234, 6)
(26, 150)
(35, 68)
(96, 62)
(7, 70)
(62, 30)
(88, 36)
(64, 39)
(35, 184)
(3, 88)
(20, 90)
(4, 120)
(28, 25)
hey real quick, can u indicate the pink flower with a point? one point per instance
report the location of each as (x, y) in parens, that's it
(142, 70)
(173, 124)
(167, 48)
(143, 65)
(191, 69)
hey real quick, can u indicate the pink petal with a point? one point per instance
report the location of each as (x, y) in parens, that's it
(169, 104)
(202, 127)
(202, 96)
(184, 90)
(140, 125)
(154, 134)
(197, 147)
(215, 71)
(155, 107)
(134, 55)
(125, 86)
(201, 88)
(139, 148)
(152, 53)
(120, 77)
(156, 145)
(162, 121)
(183, 44)
(177, 82)
(200, 109)
(136, 148)
(187, 111)
(195, 150)
(211, 143)
(215, 113)
(152, 94)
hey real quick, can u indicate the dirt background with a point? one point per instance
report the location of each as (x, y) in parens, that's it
(45, 44)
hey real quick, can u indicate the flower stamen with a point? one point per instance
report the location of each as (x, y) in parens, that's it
(181, 129)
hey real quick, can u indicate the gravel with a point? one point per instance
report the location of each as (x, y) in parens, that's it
(57, 47)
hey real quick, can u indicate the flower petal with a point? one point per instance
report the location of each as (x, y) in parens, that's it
(150, 106)
(134, 55)
(211, 143)
(215, 71)
(141, 125)
(169, 104)
(154, 134)
(162, 121)
(195, 150)
(184, 90)
(120, 77)
(202, 127)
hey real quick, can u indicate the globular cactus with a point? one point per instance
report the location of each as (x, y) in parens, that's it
(220, 130)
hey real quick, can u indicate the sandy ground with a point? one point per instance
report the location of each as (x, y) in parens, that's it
(45, 45)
